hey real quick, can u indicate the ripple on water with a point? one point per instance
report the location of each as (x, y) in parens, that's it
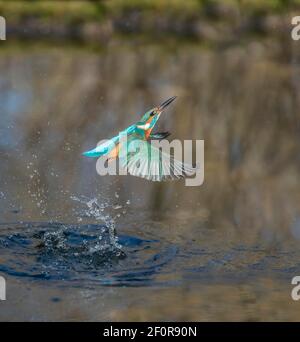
(83, 255)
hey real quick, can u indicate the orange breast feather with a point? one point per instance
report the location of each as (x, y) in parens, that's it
(114, 152)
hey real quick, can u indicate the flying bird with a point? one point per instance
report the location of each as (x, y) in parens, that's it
(140, 157)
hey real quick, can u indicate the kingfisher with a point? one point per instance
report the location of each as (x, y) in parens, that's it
(138, 155)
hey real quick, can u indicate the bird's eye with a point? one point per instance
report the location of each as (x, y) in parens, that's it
(152, 113)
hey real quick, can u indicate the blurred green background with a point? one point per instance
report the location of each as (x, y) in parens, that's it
(208, 20)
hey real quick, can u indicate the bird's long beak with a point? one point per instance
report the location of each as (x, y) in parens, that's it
(166, 103)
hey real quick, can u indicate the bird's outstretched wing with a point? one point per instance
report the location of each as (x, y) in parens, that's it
(142, 159)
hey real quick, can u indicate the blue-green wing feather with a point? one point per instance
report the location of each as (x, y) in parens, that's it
(142, 159)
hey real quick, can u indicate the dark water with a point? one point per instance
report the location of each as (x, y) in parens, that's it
(88, 256)
(74, 245)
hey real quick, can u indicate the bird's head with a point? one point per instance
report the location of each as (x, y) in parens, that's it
(150, 118)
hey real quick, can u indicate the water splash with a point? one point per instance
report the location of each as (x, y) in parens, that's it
(81, 255)
(86, 253)
(100, 212)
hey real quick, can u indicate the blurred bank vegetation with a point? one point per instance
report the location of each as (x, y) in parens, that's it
(98, 19)
(86, 10)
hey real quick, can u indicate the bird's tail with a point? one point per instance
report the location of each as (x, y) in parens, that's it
(95, 153)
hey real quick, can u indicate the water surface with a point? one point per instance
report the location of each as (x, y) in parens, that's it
(74, 245)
